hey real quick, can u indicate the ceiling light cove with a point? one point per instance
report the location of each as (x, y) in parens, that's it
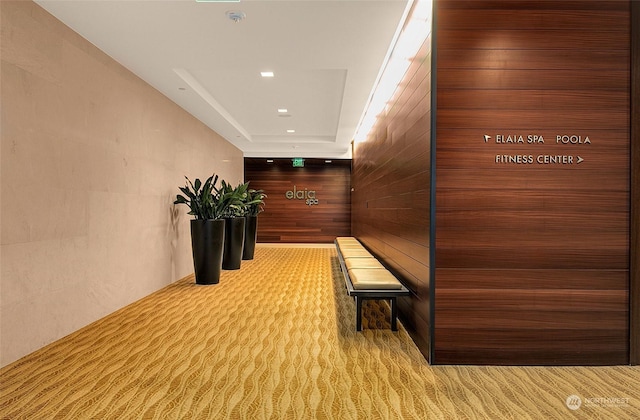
(212, 102)
(324, 77)
(413, 31)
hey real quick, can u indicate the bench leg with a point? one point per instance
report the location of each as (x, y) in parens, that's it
(394, 314)
(358, 313)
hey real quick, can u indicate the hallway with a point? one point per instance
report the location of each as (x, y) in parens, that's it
(276, 339)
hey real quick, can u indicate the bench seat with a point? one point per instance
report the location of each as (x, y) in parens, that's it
(346, 239)
(355, 253)
(362, 263)
(373, 278)
(366, 278)
(351, 245)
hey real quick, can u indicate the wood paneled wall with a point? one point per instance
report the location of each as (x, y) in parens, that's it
(635, 184)
(532, 259)
(287, 220)
(391, 197)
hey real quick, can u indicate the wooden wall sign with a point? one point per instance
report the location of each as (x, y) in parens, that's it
(532, 183)
(305, 204)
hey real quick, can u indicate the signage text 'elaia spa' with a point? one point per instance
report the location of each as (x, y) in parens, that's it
(308, 195)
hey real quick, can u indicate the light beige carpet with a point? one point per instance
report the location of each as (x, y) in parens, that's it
(276, 340)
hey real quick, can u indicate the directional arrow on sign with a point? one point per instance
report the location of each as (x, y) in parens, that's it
(579, 159)
(486, 138)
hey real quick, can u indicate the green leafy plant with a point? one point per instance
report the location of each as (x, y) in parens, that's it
(254, 202)
(232, 199)
(206, 201)
(198, 196)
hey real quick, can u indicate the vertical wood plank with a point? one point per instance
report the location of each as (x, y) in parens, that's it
(635, 184)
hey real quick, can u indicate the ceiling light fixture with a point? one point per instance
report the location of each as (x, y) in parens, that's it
(282, 110)
(291, 131)
(236, 16)
(266, 74)
(217, 1)
(414, 29)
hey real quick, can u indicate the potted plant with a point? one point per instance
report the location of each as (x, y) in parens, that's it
(207, 229)
(254, 204)
(233, 215)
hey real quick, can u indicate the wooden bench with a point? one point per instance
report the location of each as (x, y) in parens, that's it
(366, 278)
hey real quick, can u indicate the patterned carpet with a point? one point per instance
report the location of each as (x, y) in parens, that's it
(276, 340)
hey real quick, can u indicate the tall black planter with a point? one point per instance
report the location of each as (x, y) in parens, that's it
(250, 237)
(207, 244)
(233, 243)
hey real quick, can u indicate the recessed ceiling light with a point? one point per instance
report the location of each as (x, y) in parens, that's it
(282, 110)
(327, 161)
(266, 74)
(269, 160)
(291, 131)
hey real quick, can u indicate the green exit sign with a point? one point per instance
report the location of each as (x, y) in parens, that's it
(298, 162)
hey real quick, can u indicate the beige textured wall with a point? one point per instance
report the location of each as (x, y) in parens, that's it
(91, 160)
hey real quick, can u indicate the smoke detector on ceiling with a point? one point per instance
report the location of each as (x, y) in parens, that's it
(236, 16)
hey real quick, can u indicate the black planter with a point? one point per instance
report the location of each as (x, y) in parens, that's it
(233, 243)
(250, 237)
(207, 244)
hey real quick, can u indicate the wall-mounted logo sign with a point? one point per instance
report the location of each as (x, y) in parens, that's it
(308, 195)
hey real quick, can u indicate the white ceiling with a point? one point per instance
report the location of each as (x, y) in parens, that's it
(325, 54)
